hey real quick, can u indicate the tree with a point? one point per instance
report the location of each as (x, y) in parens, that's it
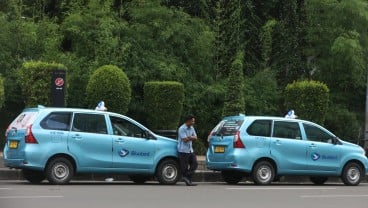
(163, 104)
(35, 81)
(2, 97)
(309, 99)
(111, 85)
(234, 101)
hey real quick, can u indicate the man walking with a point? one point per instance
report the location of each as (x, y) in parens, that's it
(188, 160)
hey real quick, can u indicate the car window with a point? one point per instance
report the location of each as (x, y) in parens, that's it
(23, 120)
(260, 128)
(227, 127)
(286, 129)
(91, 123)
(122, 127)
(314, 133)
(57, 121)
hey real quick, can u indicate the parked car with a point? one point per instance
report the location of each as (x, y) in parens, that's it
(265, 148)
(57, 143)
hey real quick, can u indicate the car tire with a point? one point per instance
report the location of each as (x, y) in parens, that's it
(59, 171)
(232, 177)
(318, 180)
(352, 174)
(263, 173)
(33, 176)
(168, 172)
(139, 179)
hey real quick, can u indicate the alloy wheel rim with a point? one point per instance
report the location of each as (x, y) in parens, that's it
(169, 172)
(61, 171)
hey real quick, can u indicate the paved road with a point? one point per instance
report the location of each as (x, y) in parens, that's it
(18, 194)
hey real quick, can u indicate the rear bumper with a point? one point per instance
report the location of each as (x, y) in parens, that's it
(14, 163)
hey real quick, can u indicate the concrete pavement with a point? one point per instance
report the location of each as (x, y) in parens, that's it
(15, 194)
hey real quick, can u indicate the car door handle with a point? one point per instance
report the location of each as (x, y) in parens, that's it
(77, 137)
(119, 140)
(312, 146)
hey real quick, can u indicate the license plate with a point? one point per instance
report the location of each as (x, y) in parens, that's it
(219, 149)
(13, 144)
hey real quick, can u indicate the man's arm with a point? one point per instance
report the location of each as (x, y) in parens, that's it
(183, 136)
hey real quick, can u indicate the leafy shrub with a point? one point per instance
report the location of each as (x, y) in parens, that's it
(234, 100)
(163, 104)
(199, 147)
(309, 99)
(111, 85)
(35, 80)
(343, 123)
(2, 96)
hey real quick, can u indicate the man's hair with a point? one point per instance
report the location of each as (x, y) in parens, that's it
(189, 117)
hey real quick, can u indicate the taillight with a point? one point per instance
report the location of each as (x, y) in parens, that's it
(6, 133)
(29, 138)
(237, 141)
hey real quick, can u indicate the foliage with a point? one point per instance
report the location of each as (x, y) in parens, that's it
(309, 99)
(234, 101)
(35, 80)
(2, 97)
(111, 85)
(163, 103)
(262, 94)
(350, 129)
(199, 147)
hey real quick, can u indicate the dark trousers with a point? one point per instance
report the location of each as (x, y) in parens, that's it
(188, 163)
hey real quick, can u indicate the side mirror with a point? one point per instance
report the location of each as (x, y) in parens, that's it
(336, 141)
(149, 135)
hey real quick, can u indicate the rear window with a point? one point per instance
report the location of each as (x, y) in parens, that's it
(24, 120)
(57, 121)
(227, 127)
(260, 128)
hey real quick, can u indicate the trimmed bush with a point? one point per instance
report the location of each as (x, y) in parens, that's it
(109, 84)
(234, 97)
(309, 99)
(2, 96)
(35, 80)
(163, 104)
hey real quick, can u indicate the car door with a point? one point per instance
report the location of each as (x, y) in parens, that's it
(322, 154)
(90, 142)
(133, 148)
(287, 147)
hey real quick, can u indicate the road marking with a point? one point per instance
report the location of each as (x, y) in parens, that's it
(5, 188)
(333, 196)
(285, 188)
(29, 197)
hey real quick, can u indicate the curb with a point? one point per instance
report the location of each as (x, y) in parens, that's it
(200, 176)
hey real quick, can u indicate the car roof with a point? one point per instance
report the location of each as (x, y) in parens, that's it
(81, 110)
(268, 118)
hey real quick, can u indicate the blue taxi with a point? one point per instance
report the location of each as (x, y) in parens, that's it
(57, 143)
(265, 148)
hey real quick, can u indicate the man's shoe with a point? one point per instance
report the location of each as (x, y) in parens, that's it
(187, 181)
(192, 184)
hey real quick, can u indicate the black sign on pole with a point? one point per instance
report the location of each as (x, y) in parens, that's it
(58, 88)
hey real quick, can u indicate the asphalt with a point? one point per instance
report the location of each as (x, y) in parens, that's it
(202, 175)
(15, 194)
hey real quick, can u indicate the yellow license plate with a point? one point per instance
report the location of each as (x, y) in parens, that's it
(13, 144)
(219, 149)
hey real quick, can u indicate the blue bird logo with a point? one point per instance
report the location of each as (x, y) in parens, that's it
(123, 152)
(315, 156)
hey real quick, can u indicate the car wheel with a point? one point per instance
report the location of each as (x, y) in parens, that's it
(59, 171)
(168, 172)
(231, 177)
(33, 176)
(263, 173)
(352, 174)
(139, 179)
(318, 180)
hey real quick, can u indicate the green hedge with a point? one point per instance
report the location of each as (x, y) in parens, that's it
(234, 97)
(2, 95)
(163, 103)
(309, 99)
(35, 81)
(109, 84)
